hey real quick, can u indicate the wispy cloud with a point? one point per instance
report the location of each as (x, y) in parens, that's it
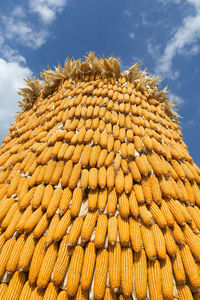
(127, 13)
(177, 99)
(184, 41)
(131, 35)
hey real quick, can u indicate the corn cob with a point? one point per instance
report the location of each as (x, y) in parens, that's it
(135, 234)
(75, 175)
(112, 230)
(54, 202)
(184, 292)
(77, 153)
(75, 231)
(170, 242)
(130, 149)
(112, 202)
(110, 177)
(147, 143)
(102, 177)
(6, 221)
(123, 205)
(139, 193)
(3, 191)
(26, 291)
(101, 230)
(63, 295)
(178, 268)
(157, 215)
(81, 295)
(190, 266)
(3, 288)
(148, 242)
(109, 294)
(67, 171)
(96, 137)
(15, 286)
(51, 292)
(33, 220)
(142, 165)
(176, 212)
(134, 171)
(85, 158)
(49, 171)
(178, 234)
(159, 241)
(24, 203)
(5, 254)
(62, 226)
(102, 199)
(117, 146)
(155, 189)
(167, 278)
(154, 279)
(133, 205)
(93, 178)
(13, 185)
(88, 266)
(84, 179)
(100, 275)
(13, 260)
(94, 155)
(62, 151)
(167, 213)
(47, 266)
(27, 252)
(178, 168)
(41, 226)
(146, 188)
(36, 261)
(88, 226)
(114, 266)
(65, 200)
(190, 192)
(192, 241)
(74, 271)
(145, 215)
(123, 228)
(127, 271)
(140, 274)
(76, 201)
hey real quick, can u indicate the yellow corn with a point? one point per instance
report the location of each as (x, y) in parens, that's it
(13, 260)
(133, 205)
(24, 203)
(27, 252)
(6, 204)
(135, 234)
(62, 226)
(77, 152)
(15, 286)
(130, 148)
(6, 221)
(114, 266)
(148, 242)
(66, 174)
(157, 215)
(142, 165)
(74, 271)
(102, 199)
(92, 199)
(36, 261)
(134, 171)
(51, 230)
(178, 268)
(140, 274)
(84, 179)
(100, 276)
(10, 230)
(176, 212)
(51, 292)
(49, 171)
(192, 240)
(178, 234)
(155, 164)
(65, 200)
(26, 291)
(147, 142)
(145, 215)
(110, 177)
(93, 178)
(159, 241)
(76, 201)
(3, 288)
(101, 230)
(155, 189)
(184, 292)
(123, 205)
(102, 177)
(167, 213)
(127, 271)
(75, 175)
(63, 295)
(94, 156)
(13, 185)
(88, 266)
(33, 220)
(47, 266)
(75, 231)
(154, 279)
(167, 278)
(37, 196)
(170, 242)
(86, 155)
(112, 230)
(54, 202)
(5, 254)
(123, 227)
(57, 173)
(88, 225)
(146, 188)
(112, 202)
(109, 294)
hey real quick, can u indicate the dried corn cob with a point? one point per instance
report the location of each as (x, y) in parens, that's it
(101, 230)
(114, 266)
(88, 225)
(51, 230)
(62, 226)
(5, 254)
(15, 286)
(88, 266)
(112, 230)
(127, 271)
(140, 274)
(123, 229)
(100, 275)
(135, 234)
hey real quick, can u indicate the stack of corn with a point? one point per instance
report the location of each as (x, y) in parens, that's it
(99, 197)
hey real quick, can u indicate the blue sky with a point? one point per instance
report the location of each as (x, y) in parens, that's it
(164, 35)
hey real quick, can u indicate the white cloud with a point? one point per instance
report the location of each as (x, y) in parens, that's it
(47, 9)
(131, 35)
(184, 41)
(127, 13)
(11, 74)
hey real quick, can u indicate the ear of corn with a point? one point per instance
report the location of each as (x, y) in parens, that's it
(88, 266)
(15, 286)
(5, 254)
(12, 263)
(140, 274)
(135, 234)
(100, 276)
(154, 279)
(127, 271)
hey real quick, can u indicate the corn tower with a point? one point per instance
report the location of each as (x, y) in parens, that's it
(99, 197)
